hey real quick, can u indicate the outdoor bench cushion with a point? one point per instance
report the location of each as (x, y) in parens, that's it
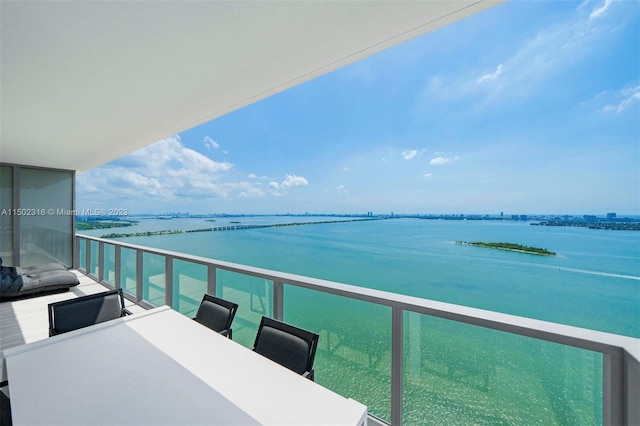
(20, 281)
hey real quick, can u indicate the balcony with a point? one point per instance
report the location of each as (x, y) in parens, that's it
(410, 360)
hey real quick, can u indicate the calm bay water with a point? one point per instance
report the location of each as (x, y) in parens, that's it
(593, 282)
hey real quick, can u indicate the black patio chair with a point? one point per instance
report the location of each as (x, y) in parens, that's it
(289, 346)
(217, 314)
(5, 407)
(84, 311)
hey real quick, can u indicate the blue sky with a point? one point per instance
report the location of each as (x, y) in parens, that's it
(529, 107)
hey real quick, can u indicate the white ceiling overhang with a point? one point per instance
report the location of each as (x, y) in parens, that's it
(85, 82)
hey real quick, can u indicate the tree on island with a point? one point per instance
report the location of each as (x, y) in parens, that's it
(511, 247)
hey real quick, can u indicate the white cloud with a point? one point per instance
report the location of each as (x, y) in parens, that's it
(341, 189)
(346, 169)
(251, 192)
(439, 161)
(210, 143)
(293, 180)
(427, 175)
(164, 171)
(492, 76)
(252, 176)
(410, 154)
(599, 11)
(625, 98)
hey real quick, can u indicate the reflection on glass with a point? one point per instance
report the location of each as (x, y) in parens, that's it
(254, 297)
(463, 374)
(95, 258)
(46, 236)
(354, 350)
(128, 270)
(109, 263)
(6, 220)
(82, 253)
(189, 285)
(153, 278)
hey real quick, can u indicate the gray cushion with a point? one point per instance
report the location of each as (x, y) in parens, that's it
(39, 269)
(35, 279)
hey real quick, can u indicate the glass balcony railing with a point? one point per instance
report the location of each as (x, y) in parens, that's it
(410, 360)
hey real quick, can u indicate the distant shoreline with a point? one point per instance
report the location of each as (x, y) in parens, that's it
(510, 247)
(612, 226)
(236, 226)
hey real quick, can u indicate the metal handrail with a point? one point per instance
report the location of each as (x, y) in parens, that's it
(621, 354)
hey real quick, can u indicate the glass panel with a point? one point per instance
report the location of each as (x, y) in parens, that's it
(46, 227)
(153, 278)
(189, 285)
(82, 253)
(95, 258)
(462, 374)
(109, 263)
(354, 349)
(128, 270)
(254, 297)
(6, 218)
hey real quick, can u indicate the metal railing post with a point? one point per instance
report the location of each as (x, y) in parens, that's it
(76, 253)
(278, 300)
(612, 390)
(168, 281)
(397, 378)
(139, 269)
(632, 389)
(100, 261)
(87, 257)
(212, 280)
(117, 267)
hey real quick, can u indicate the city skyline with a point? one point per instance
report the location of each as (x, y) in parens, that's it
(527, 108)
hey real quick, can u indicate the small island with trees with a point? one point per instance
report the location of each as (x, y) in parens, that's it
(83, 225)
(511, 247)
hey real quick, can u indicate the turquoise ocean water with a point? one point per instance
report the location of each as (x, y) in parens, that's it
(454, 374)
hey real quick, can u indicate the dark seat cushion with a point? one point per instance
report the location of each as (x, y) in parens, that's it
(86, 311)
(284, 348)
(213, 316)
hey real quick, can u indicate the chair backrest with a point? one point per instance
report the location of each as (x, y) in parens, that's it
(5, 410)
(217, 314)
(84, 311)
(289, 346)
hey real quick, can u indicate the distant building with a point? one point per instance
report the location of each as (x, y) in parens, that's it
(589, 218)
(611, 216)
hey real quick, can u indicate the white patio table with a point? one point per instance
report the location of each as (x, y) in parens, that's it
(161, 368)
